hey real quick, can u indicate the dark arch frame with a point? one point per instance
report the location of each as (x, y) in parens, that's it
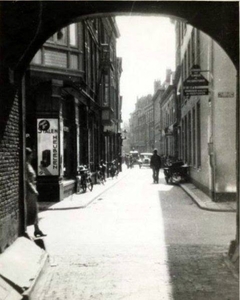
(27, 25)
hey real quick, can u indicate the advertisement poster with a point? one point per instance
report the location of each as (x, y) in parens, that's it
(48, 147)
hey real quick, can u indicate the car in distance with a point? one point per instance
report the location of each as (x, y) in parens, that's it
(145, 159)
(135, 157)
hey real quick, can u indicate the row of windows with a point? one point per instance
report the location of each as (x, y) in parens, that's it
(68, 36)
(146, 118)
(181, 31)
(168, 146)
(190, 137)
(77, 47)
(64, 49)
(191, 55)
(53, 58)
(169, 117)
(149, 116)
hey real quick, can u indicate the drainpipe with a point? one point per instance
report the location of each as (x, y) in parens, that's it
(88, 138)
(211, 141)
(238, 154)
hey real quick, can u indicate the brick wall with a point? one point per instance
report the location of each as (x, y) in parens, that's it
(9, 172)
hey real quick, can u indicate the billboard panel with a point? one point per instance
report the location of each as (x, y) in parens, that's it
(48, 147)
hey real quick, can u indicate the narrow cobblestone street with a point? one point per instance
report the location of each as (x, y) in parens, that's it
(138, 241)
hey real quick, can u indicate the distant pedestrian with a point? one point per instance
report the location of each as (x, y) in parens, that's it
(102, 168)
(113, 169)
(127, 160)
(119, 162)
(32, 195)
(130, 161)
(155, 164)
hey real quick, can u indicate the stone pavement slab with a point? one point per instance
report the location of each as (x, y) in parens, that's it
(7, 292)
(21, 264)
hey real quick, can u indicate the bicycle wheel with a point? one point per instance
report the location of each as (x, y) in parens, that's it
(90, 185)
(84, 188)
(78, 190)
(166, 179)
(101, 179)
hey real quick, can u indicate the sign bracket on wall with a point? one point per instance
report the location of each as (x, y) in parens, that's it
(196, 84)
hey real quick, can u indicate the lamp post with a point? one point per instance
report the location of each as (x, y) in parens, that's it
(123, 137)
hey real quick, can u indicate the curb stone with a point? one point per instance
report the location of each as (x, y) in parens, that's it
(205, 202)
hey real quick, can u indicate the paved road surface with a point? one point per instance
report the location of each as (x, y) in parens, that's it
(138, 241)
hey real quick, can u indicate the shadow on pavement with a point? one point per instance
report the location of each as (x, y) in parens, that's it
(196, 260)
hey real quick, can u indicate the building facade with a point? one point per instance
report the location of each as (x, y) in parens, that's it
(158, 91)
(208, 122)
(141, 125)
(168, 107)
(73, 105)
(197, 128)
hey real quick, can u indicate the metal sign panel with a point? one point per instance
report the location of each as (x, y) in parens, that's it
(48, 147)
(196, 80)
(195, 84)
(194, 91)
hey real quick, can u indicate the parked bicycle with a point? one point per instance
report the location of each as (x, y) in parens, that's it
(113, 169)
(101, 176)
(84, 180)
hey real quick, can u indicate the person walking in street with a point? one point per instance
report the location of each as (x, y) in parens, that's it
(32, 195)
(155, 164)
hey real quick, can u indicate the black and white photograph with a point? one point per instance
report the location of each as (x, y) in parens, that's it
(119, 150)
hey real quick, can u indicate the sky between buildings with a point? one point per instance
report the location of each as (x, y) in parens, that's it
(147, 47)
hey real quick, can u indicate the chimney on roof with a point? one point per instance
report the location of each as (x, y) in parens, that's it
(168, 76)
(157, 85)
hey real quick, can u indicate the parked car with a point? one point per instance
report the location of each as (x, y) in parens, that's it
(134, 157)
(145, 159)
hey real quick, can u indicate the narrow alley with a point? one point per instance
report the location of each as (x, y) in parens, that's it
(137, 240)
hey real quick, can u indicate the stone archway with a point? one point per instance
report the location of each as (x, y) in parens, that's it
(25, 26)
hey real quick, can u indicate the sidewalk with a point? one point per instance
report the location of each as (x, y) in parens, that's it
(77, 201)
(205, 202)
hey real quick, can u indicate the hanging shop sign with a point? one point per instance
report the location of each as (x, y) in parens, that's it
(195, 84)
(195, 91)
(48, 147)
